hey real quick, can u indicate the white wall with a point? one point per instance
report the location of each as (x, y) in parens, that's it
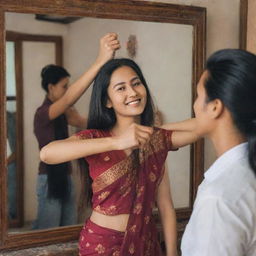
(251, 26)
(222, 21)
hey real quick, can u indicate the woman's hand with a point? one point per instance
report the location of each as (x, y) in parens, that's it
(134, 137)
(108, 46)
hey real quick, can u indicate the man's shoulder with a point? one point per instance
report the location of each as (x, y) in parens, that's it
(236, 186)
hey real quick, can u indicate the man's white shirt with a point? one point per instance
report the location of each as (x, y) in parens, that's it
(223, 221)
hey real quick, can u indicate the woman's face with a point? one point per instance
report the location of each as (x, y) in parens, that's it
(126, 93)
(56, 91)
(202, 108)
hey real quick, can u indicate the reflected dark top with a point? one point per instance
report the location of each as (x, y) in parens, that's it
(44, 128)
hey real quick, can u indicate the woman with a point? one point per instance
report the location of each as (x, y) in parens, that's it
(126, 158)
(224, 217)
(56, 204)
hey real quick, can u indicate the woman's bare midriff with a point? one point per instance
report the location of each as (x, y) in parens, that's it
(116, 222)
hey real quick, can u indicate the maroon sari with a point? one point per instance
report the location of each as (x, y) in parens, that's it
(126, 185)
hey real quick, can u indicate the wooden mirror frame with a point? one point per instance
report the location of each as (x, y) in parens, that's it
(243, 24)
(126, 10)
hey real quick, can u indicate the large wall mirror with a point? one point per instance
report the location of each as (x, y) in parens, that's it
(170, 49)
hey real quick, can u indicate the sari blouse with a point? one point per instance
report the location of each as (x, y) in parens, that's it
(118, 182)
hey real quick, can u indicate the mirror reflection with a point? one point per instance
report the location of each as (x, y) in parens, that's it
(166, 72)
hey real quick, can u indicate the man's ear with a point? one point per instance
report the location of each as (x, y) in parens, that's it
(216, 108)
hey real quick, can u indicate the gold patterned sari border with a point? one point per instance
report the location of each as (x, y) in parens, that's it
(112, 174)
(118, 170)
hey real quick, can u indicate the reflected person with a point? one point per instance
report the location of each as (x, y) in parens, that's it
(125, 155)
(223, 220)
(56, 202)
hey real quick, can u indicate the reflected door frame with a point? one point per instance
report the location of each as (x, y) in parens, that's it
(18, 39)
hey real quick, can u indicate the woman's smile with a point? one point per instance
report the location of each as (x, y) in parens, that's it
(134, 103)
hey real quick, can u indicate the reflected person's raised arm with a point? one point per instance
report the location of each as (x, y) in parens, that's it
(108, 45)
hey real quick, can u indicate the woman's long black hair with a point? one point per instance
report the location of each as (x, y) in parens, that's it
(232, 79)
(57, 174)
(103, 118)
